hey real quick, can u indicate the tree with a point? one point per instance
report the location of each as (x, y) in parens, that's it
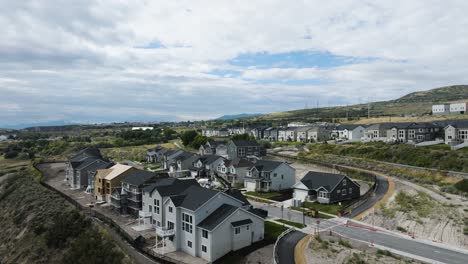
(188, 137)
(198, 141)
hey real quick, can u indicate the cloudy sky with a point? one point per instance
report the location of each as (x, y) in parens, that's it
(102, 61)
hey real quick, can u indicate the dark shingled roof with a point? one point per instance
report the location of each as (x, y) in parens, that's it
(346, 126)
(218, 216)
(140, 177)
(246, 143)
(314, 180)
(208, 159)
(194, 197)
(241, 222)
(267, 165)
(170, 186)
(239, 163)
(86, 153)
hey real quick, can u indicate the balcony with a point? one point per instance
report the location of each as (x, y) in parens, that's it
(165, 232)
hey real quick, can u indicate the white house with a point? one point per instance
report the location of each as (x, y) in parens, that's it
(456, 132)
(142, 128)
(348, 132)
(458, 108)
(234, 170)
(267, 175)
(441, 109)
(201, 222)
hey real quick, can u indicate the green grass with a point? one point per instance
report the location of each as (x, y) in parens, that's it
(291, 223)
(321, 215)
(422, 204)
(333, 209)
(273, 230)
(268, 195)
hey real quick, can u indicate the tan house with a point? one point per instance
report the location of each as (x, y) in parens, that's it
(108, 179)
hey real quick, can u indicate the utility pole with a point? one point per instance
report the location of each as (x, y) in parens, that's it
(368, 110)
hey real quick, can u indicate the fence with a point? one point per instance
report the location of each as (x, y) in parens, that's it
(137, 243)
(275, 256)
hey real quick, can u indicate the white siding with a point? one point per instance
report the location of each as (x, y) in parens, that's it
(285, 177)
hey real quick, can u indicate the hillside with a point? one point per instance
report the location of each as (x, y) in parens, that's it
(417, 103)
(39, 226)
(229, 117)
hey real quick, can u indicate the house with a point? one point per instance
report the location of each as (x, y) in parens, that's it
(326, 188)
(412, 132)
(270, 134)
(169, 157)
(3, 138)
(244, 148)
(348, 132)
(268, 175)
(201, 222)
(257, 132)
(319, 133)
(377, 132)
(213, 148)
(458, 108)
(214, 132)
(441, 109)
(237, 131)
(107, 180)
(156, 154)
(82, 168)
(128, 199)
(182, 164)
(206, 165)
(301, 133)
(456, 132)
(234, 170)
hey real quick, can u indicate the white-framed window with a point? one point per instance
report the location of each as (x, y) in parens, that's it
(204, 234)
(187, 221)
(170, 225)
(150, 208)
(189, 243)
(203, 248)
(170, 209)
(156, 207)
(343, 192)
(344, 182)
(350, 190)
(247, 227)
(237, 230)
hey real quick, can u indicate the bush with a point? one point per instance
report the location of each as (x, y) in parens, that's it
(462, 185)
(11, 155)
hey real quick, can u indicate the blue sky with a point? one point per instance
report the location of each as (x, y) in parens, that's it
(105, 61)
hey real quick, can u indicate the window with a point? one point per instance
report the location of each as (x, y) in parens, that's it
(338, 191)
(156, 207)
(170, 225)
(150, 208)
(350, 190)
(159, 223)
(282, 176)
(274, 175)
(401, 133)
(248, 227)
(170, 209)
(204, 234)
(189, 243)
(237, 230)
(343, 192)
(344, 182)
(203, 248)
(187, 223)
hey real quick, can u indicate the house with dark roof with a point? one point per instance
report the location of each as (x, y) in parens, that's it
(82, 168)
(234, 170)
(270, 134)
(206, 165)
(208, 224)
(269, 175)
(155, 155)
(244, 148)
(325, 188)
(348, 132)
(213, 148)
(456, 132)
(132, 189)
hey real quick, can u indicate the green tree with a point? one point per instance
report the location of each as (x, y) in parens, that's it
(188, 137)
(198, 141)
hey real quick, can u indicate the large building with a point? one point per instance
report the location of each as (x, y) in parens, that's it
(441, 109)
(201, 222)
(82, 168)
(268, 175)
(244, 148)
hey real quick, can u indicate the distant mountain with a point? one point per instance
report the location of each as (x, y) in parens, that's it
(40, 124)
(417, 103)
(229, 117)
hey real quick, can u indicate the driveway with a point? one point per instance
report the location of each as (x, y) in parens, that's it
(286, 245)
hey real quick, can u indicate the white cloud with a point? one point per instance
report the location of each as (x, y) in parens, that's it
(88, 59)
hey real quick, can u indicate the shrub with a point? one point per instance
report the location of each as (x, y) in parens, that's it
(462, 185)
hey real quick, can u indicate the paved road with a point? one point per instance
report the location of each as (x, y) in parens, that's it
(381, 189)
(286, 245)
(386, 239)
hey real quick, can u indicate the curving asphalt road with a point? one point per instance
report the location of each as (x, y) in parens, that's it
(381, 188)
(286, 245)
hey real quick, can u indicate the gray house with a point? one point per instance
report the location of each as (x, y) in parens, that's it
(244, 148)
(456, 132)
(213, 148)
(156, 154)
(234, 170)
(268, 175)
(325, 188)
(82, 168)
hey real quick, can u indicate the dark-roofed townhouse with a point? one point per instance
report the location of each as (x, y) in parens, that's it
(348, 132)
(377, 132)
(419, 132)
(213, 148)
(319, 133)
(325, 188)
(155, 155)
(169, 157)
(270, 134)
(182, 164)
(234, 170)
(268, 175)
(206, 165)
(244, 148)
(456, 132)
(82, 168)
(209, 224)
(132, 186)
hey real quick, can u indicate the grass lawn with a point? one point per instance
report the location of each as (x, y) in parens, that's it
(291, 223)
(268, 195)
(273, 230)
(300, 209)
(333, 209)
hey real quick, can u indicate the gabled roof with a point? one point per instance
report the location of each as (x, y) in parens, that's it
(93, 164)
(239, 163)
(236, 194)
(457, 123)
(347, 127)
(208, 159)
(86, 153)
(185, 155)
(114, 171)
(158, 149)
(141, 177)
(218, 216)
(170, 186)
(313, 180)
(245, 143)
(193, 197)
(266, 165)
(215, 143)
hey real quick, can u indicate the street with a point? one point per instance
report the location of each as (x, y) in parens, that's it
(386, 239)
